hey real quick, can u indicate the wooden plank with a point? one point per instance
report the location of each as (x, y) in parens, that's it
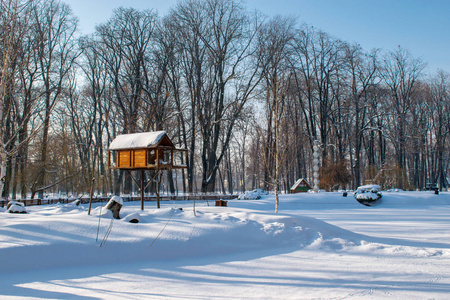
(139, 158)
(124, 159)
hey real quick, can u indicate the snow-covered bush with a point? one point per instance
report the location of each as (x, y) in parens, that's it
(252, 195)
(394, 190)
(15, 207)
(368, 192)
(311, 191)
(261, 192)
(368, 196)
(249, 195)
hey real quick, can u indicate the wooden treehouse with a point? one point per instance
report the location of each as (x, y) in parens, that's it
(146, 151)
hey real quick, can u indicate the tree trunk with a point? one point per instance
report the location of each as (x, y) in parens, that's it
(3, 165)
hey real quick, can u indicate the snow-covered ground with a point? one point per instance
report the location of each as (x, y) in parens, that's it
(319, 246)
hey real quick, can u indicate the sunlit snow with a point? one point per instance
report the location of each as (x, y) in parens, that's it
(319, 245)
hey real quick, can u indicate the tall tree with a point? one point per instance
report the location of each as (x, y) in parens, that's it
(232, 77)
(273, 42)
(54, 27)
(95, 71)
(362, 69)
(188, 21)
(316, 58)
(125, 40)
(439, 111)
(400, 72)
(17, 86)
(125, 46)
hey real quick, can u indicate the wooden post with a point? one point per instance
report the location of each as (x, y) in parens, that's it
(90, 195)
(157, 157)
(158, 186)
(142, 189)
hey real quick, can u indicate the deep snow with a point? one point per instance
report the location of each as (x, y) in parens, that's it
(319, 246)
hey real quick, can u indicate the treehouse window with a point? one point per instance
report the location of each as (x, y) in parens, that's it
(151, 157)
(165, 157)
(180, 158)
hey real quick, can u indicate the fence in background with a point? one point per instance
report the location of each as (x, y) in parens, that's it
(84, 200)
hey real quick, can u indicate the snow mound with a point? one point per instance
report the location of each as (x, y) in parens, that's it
(15, 207)
(60, 208)
(252, 195)
(132, 218)
(367, 196)
(394, 190)
(105, 213)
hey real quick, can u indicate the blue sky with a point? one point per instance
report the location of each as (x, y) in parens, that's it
(421, 26)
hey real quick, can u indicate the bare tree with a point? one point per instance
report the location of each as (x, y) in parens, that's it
(95, 71)
(274, 40)
(187, 21)
(232, 80)
(17, 87)
(56, 53)
(362, 70)
(203, 72)
(10, 41)
(216, 52)
(125, 41)
(400, 72)
(316, 59)
(439, 111)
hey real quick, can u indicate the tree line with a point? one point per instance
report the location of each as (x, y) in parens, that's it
(247, 95)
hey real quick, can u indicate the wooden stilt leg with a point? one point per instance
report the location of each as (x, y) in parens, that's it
(142, 189)
(158, 186)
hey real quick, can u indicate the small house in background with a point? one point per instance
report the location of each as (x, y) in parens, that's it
(146, 150)
(300, 186)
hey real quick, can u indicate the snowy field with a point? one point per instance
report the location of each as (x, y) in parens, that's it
(319, 246)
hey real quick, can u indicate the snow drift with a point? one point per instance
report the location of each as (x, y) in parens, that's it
(58, 237)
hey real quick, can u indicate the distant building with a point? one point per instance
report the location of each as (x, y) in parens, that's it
(300, 186)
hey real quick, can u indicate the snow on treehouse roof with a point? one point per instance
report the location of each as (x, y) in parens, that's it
(136, 140)
(297, 183)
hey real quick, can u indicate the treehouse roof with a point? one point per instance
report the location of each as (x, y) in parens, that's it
(302, 182)
(140, 140)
